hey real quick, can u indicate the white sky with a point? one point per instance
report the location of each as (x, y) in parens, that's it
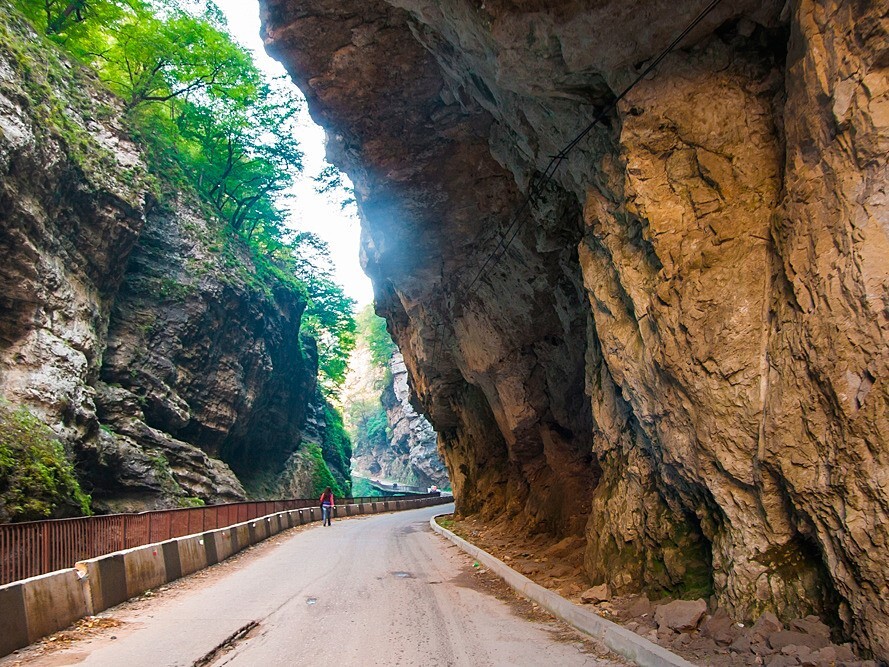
(310, 211)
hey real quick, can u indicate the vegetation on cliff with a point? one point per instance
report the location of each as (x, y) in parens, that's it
(36, 479)
(190, 169)
(213, 125)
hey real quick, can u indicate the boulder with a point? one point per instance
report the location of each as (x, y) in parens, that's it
(766, 625)
(641, 607)
(680, 615)
(811, 625)
(596, 594)
(741, 645)
(720, 628)
(826, 655)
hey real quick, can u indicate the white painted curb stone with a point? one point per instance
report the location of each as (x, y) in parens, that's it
(618, 639)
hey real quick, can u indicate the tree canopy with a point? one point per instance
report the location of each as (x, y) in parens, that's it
(211, 122)
(372, 329)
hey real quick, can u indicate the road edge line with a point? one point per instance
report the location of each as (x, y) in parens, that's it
(617, 638)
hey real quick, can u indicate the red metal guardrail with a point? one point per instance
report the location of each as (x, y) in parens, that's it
(36, 547)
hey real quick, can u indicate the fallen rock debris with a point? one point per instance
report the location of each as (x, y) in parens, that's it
(695, 629)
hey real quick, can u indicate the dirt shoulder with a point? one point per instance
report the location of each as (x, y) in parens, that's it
(696, 630)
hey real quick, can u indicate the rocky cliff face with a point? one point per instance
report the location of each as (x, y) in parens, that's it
(413, 442)
(393, 441)
(167, 362)
(682, 353)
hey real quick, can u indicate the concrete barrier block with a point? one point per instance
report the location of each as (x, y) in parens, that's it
(106, 581)
(52, 601)
(258, 529)
(146, 567)
(170, 550)
(227, 545)
(13, 624)
(213, 544)
(240, 537)
(354, 510)
(192, 554)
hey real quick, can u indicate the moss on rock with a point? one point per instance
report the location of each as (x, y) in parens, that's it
(37, 481)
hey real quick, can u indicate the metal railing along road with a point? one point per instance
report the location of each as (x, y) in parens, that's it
(32, 548)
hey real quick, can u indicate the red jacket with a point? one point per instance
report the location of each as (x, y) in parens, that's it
(327, 498)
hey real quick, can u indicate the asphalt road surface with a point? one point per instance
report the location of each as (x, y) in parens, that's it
(380, 590)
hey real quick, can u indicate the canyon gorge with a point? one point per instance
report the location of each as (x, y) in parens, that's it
(677, 349)
(391, 442)
(165, 357)
(649, 329)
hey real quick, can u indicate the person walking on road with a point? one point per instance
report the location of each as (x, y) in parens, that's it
(327, 506)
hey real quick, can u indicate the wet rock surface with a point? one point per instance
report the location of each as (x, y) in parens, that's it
(681, 357)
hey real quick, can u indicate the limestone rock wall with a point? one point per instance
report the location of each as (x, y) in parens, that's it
(168, 365)
(682, 353)
(201, 367)
(391, 440)
(412, 452)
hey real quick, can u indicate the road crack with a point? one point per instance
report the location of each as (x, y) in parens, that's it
(226, 645)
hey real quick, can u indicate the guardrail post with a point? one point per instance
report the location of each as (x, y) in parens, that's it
(44, 530)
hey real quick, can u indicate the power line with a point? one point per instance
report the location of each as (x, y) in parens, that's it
(538, 183)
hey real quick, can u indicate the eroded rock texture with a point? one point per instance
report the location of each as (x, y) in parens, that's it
(167, 363)
(682, 353)
(413, 444)
(391, 440)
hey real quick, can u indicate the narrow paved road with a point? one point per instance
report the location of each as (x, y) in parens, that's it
(382, 590)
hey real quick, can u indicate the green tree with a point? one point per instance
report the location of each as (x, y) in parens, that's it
(373, 329)
(332, 182)
(329, 317)
(157, 59)
(71, 19)
(245, 157)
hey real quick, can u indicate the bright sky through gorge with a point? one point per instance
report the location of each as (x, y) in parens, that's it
(311, 211)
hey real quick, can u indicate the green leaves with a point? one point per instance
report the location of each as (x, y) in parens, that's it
(151, 59)
(214, 124)
(329, 317)
(373, 329)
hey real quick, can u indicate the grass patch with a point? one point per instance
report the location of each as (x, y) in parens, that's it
(447, 522)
